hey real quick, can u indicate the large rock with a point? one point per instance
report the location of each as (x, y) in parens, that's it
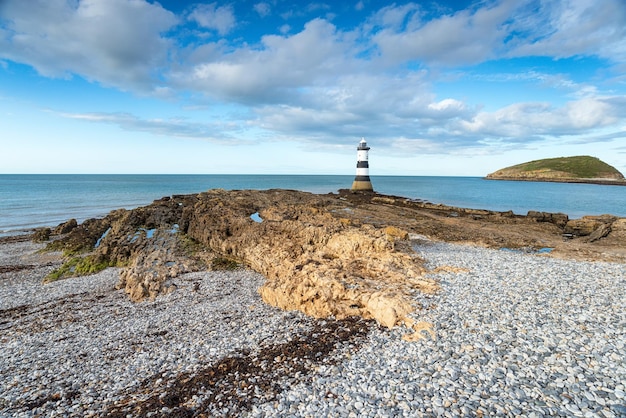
(559, 219)
(587, 225)
(602, 231)
(65, 227)
(151, 268)
(315, 259)
(41, 235)
(581, 227)
(325, 255)
(618, 229)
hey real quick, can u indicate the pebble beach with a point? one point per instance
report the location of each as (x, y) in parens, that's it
(516, 334)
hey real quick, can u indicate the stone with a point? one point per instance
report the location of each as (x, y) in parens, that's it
(582, 227)
(65, 227)
(41, 235)
(559, 219)
(602, 231)
(618, 229)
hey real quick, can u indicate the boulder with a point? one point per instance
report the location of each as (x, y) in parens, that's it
(65, 227)
(619, 225)
(559, 219)
(602, 231)
(587, 225)
(582, 227)
(41, 235)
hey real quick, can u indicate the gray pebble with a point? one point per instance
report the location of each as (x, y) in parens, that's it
(517, 334)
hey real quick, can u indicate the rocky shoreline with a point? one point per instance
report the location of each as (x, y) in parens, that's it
(509, 330)
(80, 347)
(515, 334)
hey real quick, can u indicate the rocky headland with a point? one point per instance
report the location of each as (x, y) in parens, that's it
(340, 255)
(578, 169)
(336, 255)
(386, 305)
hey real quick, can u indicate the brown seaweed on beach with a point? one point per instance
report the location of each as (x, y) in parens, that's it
(247, 377)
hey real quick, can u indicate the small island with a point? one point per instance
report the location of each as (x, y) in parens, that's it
(578, 169)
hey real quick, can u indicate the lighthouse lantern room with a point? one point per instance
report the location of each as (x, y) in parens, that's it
(362, 180)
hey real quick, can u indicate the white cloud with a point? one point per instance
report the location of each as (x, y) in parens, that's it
(553, 28)
(212, 16)
(450, 106)
(326, 84)
(315, 7)
(567, 28)
(465, 37)
(265, 74)
(116, 42)
(263, 9)
(394, 17)
(216, 132)
(365, 105)
(520, 121)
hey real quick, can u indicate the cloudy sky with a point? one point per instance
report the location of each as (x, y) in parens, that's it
(454, 87)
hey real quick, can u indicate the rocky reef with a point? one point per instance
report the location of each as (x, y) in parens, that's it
(335, 255)
(314, 258)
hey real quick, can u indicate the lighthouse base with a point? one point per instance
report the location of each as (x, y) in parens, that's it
(362, 186)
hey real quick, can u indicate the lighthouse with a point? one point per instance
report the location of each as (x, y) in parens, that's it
(362, 180)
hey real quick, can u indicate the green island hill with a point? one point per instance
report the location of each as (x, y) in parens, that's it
(578, 169)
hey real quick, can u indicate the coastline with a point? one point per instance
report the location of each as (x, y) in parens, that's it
(497, 337)
(28, 202)
(502, 344)
(563, 180)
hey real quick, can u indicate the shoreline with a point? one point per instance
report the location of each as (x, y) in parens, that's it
(503, 344)
(572, 236)
(24, 210)
(565, 180)
(501, 329)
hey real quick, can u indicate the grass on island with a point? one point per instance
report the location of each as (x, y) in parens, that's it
(579, 167)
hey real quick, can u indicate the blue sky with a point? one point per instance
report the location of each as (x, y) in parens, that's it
(436, 88)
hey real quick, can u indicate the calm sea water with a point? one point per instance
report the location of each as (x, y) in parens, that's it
(30, 201)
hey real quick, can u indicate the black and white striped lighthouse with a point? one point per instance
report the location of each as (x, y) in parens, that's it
(362, 180)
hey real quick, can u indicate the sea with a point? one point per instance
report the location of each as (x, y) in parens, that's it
(38, 200)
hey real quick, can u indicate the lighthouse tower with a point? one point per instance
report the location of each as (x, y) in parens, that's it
(362, 180)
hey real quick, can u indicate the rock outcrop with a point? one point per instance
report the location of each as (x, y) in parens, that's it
(66, 227)
(314, 259)
(559, 219)
(336, 255)
(592, 228)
